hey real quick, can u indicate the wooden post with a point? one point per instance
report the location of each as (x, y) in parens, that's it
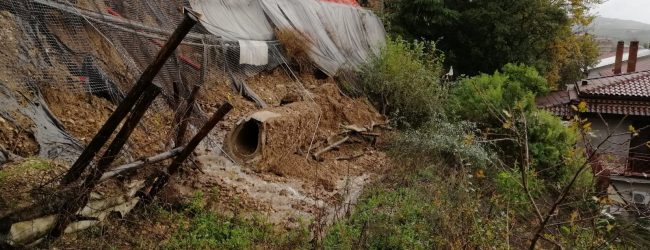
(69, 210)
(189, 108)
(122, 137)
(204, 68)
(189, 148)
(125, 106)
(140, 163)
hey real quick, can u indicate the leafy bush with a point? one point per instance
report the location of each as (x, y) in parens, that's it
(440, 139)
(551, 145)
(504, 103)
(508, 186)
(484, 97)
(404, 82)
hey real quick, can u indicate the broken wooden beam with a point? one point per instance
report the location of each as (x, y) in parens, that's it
(127, 103)
(162, 180)
(122, 136)
(330, 147)
(348, 158)
(141, 163)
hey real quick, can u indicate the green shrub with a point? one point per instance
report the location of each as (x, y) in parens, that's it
(404, 82)
(439, 139)
(552, 145)
(482, 98)
(508, 186)
(503, 103)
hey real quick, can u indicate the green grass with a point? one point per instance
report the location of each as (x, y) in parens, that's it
(419, 209)
(209, 230)
(29, 163)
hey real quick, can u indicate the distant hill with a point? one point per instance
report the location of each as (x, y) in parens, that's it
(619, 29)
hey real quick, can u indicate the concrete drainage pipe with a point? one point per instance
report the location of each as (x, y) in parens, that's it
(264, 138)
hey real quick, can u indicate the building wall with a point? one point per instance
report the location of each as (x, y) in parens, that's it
(615, 150)
(622, 188)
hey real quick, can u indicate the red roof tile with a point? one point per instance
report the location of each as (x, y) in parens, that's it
(619, 107)
(558, 102)
(626, 94)
(635, 84)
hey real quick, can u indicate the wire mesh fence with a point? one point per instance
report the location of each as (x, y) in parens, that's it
(101, 46)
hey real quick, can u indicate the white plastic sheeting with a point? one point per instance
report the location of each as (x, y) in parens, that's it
(253, 53)
(340, 36)
(234, 19)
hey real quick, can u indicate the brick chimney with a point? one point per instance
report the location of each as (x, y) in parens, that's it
(631, 59)
(620, 47)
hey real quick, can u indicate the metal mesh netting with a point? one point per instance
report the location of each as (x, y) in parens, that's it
(102, 46)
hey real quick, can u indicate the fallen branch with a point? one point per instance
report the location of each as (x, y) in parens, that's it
(352, 157)
(138, 164)
(330, 147)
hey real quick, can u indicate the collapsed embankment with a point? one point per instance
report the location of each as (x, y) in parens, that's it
(45, 121)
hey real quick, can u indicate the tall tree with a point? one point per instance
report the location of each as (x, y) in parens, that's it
(483, 35)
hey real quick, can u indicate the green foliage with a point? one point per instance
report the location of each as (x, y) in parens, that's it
(482, 98)
(440, 139)
(404, 82)
(208, 230)
(508, 184)
(482, 36)
(426, 207)
(552, 145)
(504, 103)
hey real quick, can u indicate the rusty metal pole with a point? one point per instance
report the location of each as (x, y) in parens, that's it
(126, 105)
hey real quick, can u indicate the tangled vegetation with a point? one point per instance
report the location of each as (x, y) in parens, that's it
(482, 168)
(404, 82)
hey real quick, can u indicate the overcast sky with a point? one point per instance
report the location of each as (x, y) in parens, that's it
(637, 10)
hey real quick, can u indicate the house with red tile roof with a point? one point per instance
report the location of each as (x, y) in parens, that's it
(614, 63)
(614, 105)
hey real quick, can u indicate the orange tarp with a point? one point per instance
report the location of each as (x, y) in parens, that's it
(350, 2)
